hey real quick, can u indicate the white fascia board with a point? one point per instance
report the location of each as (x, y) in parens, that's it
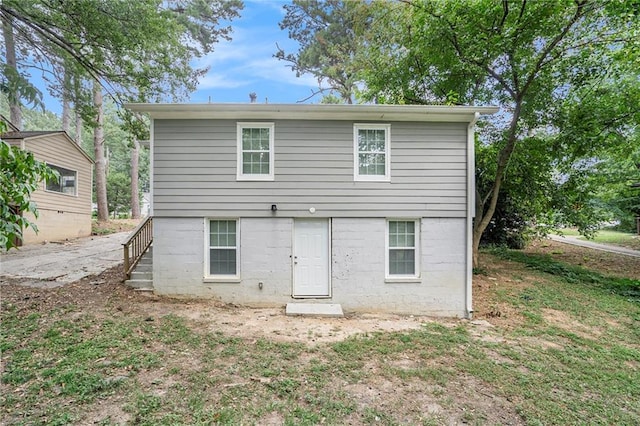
(439, 113)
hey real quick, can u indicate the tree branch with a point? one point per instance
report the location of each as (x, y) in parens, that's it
(556, 40)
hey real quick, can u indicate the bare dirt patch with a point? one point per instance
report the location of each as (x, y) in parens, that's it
(105, 293)
(566, 322)
(499, 277)
(114, 225)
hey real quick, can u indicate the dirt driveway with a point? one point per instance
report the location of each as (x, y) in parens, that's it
(55, 264)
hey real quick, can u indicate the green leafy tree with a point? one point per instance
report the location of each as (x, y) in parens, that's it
(131, 47)
(131, 50)
(119, 193)
(20, 174)
(523, 56)
(326, 33)
(599, 136)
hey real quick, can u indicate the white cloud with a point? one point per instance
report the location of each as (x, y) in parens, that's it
(276, 5)
(249, 57)
(246, 63)
(275, 70)
(221, 81)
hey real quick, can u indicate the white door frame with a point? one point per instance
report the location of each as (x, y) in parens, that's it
(327, 221)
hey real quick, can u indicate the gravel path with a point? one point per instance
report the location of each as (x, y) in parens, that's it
(56, 264)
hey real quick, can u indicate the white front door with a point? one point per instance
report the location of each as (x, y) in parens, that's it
(311, 254)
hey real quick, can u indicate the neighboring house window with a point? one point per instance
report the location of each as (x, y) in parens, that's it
(372, 152)
(223, 248)
(402, 248)
(255, 151)
(66, 182)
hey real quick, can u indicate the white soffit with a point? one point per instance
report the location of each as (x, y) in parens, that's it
(365, 112)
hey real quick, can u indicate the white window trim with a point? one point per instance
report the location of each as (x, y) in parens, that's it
(255, 125)
(387, 153)
(75, 193)
(403, 278)
(207, 253)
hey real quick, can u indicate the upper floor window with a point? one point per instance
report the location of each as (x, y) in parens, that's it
(66, 182)
(255, 151)
(372, 152)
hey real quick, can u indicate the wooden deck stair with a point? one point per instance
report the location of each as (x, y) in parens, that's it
(142, 274)
(138, 256)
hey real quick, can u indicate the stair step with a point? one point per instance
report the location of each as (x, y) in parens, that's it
(143, 268)
(314, 309)
(142, 275)
(139, 283)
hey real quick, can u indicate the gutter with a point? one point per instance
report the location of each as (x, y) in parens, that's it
(364, 112)
(471, 202)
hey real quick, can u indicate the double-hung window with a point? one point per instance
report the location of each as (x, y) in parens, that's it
(403, 242)
(65, 182)
(255, 151)
(371, 152)
(223, 248)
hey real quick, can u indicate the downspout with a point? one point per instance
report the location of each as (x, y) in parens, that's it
(151, 183)
(471, 195)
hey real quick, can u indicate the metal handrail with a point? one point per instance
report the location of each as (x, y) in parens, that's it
(137, 244)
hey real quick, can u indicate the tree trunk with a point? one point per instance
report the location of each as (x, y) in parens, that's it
(98, 147)
(79, 127)
(483, 218)
(66, 116)
(15, 113)
(135, 193)
(66, 105)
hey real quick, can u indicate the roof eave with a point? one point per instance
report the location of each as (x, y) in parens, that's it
(313, 112)
(64, 134)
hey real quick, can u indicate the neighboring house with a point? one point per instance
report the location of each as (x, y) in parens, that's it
(368, 206)
(64, 205)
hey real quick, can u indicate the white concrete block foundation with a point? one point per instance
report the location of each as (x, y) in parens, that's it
(357, 265)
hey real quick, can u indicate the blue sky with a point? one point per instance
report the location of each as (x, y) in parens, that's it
(246, 63)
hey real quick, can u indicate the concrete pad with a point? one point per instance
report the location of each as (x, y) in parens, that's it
(314, 309)
(59, 263)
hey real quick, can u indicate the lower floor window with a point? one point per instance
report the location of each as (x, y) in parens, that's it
(223, 248)
(402, 251)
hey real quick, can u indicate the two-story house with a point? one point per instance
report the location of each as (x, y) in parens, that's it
(367, 206)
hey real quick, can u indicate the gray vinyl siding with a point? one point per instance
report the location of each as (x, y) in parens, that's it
(195, 171)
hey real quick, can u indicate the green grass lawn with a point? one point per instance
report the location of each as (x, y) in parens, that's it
(571, 355)
(606, 236)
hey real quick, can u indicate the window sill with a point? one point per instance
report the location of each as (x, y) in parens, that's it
(255, 178)
(399, 280)
(377, 179)
(48, 191)
(221, 280)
